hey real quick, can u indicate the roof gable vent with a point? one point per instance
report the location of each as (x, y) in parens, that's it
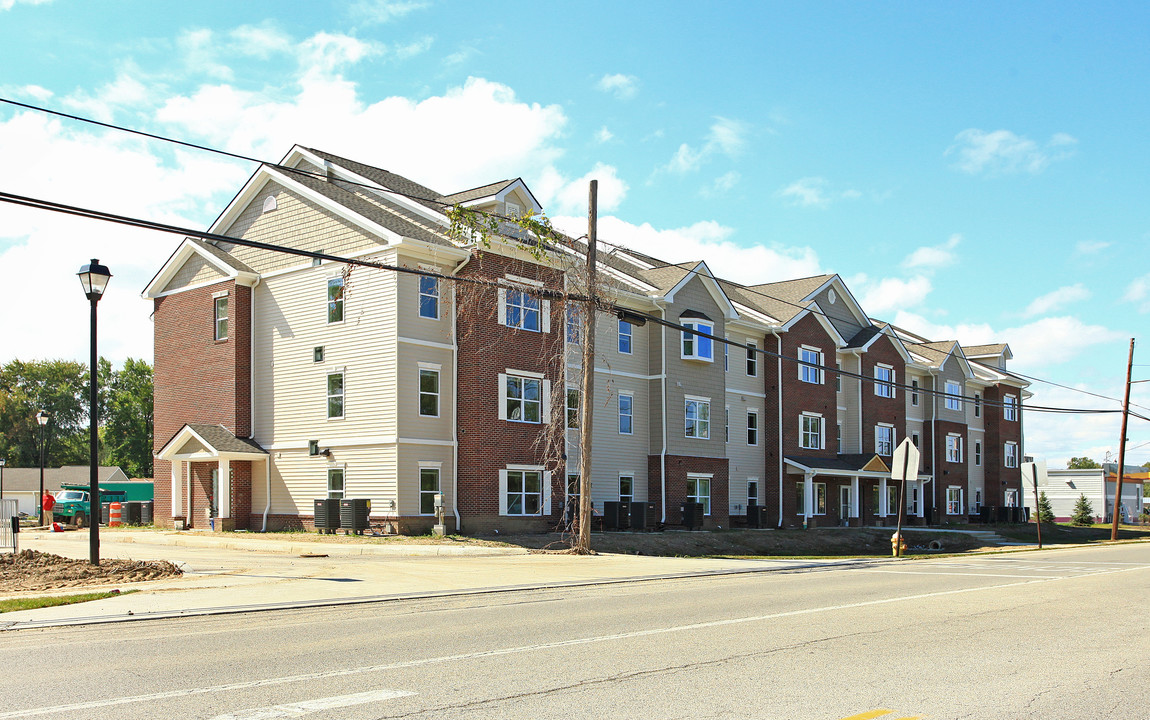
(270, 203)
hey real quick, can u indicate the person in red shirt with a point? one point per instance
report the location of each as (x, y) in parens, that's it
(48, 504)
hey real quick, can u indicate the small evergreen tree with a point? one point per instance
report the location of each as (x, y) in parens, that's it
(1045, 511)
(1083, 512)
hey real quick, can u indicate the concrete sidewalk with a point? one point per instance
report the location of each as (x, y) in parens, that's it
(244, 574)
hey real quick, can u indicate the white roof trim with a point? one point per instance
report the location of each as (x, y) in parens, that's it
(184, 251)
(856, 309)
(712, 285)
(187, 433)
(822, 319)
(501, 196)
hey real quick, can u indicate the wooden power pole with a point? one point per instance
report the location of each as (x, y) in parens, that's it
(1121, 446)
(586, 405)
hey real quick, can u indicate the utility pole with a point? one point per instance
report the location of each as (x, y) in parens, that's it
(1122, 445)
(586, 404)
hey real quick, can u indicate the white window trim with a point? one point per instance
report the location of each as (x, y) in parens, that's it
(816, 367)
(630, 335)
(700, 326)
(438, 468)
(822, 431)
(953, 396)
(752, 360)
(958, 503)
(1010, 408)
(342, 468)
(978, 453)
(422, 294)
(434, 368)
(1009, 454)
(631, 415)
(544, 305)
(815, 487)
(886, 387)
(710, 478)
(216, 317)
(884, 426)
(914, 390)
(342, 302)
(957, 448)
(544, 396)
(620, 486)
(687, 399)
(546, 489)
(753, 412)
(342, 394)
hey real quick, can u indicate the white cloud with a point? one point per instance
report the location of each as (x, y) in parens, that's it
(1057, 299)
(411, 49)
(9, 4)
(1090, 247)
(891, 294)
(722, 184)
(375, 12)
(1138, 292)
(1003, 152)
(261, 41)
(326, 53)
(814, 192)
(124, 93)
(560, 196)
(706, 240)
(935, 257)
(725, 136)
(603, 135)
(623, 87)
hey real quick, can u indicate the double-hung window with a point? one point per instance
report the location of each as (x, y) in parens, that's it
(574, 323)
(626, 488)
(335, 396)
(697, 418)
(953, 500)
(752, 360)
(624, 337)
(522, 310)
(752, 427)
(977, 405)
(811, 431)
(221, 317)
(884, 381)
(914, 392)
(884, 440)
(429, 392)
(524, 492)
(429, 297)
(819, 498)
(697, 347)
(335, 483)
(1010, 454)
(524, 399)
(978, 452)
(428, 489)
(1010, 408)
(626, 413)
(810, 365)
(954, 448)
(335, 290)
(953, 395)
(572, 408)
(752, 491)
(699, 491)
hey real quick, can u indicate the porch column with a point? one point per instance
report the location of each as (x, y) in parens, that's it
(224, 501)
(177, 489)
(882, 496)
(854, 496)
(918, 484)
(808, 496)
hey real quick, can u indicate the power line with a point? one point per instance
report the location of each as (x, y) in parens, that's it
(135, 222)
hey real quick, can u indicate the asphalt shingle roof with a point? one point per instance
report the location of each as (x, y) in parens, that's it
(224, 440)
(476, 193)
(409, 188)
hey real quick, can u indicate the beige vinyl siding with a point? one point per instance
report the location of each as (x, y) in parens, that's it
(838, 313)
(290, 319)
(614, 452)
(953, 373)
(410, 324)
(744, 460)
(971, 420)
(737, 378)
(975, 474)
(656, 335)
(195, 270)
(411, 424)
(409, 458)
(296, 222)
(922, 410)
(693, 377)
(298, 479)
(848, 400)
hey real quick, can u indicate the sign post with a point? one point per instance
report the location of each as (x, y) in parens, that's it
(1035, 471)
(903, 466)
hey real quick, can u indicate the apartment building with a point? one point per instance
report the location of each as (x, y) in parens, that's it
(282, 378)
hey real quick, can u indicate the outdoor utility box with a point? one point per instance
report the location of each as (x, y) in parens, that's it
(131, 513)
(353, 514)
(692, 514)
(611, 515)
(327, 515)
(147, 512)
(643, 516)
(756, 516)
(105, 510)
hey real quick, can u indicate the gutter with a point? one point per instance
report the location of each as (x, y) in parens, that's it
(663, 417)
(455, 390)
(779, 424)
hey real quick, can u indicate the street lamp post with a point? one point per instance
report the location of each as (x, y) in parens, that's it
(3, 462)
(94, 278)
(42, 418)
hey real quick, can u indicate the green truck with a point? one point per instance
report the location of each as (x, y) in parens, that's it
(73, 504)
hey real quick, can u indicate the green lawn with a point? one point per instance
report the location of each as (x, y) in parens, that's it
(34, 603)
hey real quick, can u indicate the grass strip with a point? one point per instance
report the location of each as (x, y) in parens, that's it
(34, 603)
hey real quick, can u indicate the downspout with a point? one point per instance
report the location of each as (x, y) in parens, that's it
(455, 391)
(663, 418)
(779, 424)
(268, 483)
(933, 446)
(252, 406)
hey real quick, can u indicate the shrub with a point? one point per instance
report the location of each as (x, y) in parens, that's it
(1083, 512)
(1045, 511)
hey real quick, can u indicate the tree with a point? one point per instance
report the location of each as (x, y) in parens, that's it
(1045, 510)
(1082, 463)
(1083, 512)
(126, 416)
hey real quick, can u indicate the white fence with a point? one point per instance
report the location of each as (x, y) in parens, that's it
(7, 537)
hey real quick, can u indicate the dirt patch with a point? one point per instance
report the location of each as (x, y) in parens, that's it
(35, 570)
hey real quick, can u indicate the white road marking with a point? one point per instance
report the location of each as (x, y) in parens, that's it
(404, 664)
(290, 710)
(961, 574)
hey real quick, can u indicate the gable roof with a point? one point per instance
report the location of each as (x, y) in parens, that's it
(216, 440)
(409, 188)
(228, 266)
(28, 479)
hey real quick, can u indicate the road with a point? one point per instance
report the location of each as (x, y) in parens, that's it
(1058, 634)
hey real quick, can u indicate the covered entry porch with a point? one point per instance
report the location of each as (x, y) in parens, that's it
(212, 475)
(850, 491)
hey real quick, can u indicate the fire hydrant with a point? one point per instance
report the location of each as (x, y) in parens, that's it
(896, 541)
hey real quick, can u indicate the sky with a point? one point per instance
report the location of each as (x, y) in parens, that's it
(973, 171)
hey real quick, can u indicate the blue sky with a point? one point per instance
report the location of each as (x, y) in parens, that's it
(974, 171)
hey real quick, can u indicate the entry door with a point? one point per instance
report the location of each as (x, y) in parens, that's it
(844, 503)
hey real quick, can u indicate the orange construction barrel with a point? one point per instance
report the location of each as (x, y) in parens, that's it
(114, 515)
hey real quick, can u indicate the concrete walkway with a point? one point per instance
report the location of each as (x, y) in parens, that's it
(243, 574)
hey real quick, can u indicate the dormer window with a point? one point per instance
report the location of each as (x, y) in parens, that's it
(698, 347)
